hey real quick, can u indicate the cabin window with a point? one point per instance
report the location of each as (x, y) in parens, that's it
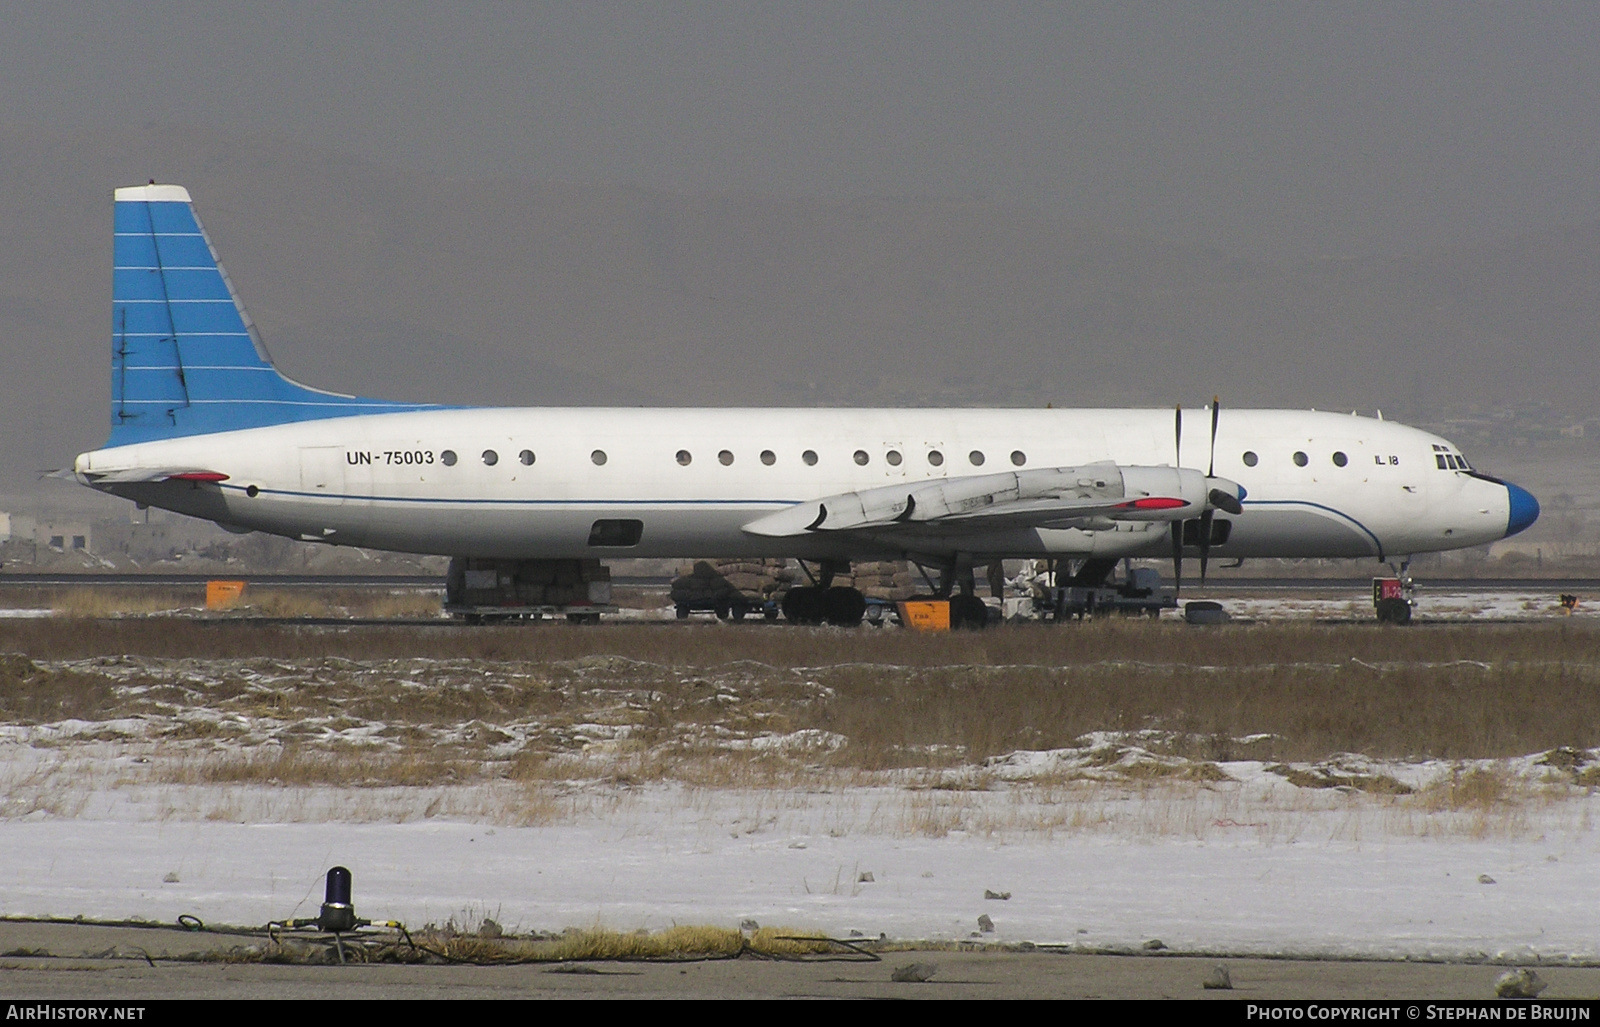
(768, 457)
(252, 492)
(1018, 457)
(1300, 459)
(616, 533)
(685, 458)
(725, 458)
(893, 456)
(935, 458)
(861, 457)
(599, 457)
(448, 458)
(1250, 459)
(810, 457)
(1339, 459)
(526, 456)
(975, 458)
(490, 458)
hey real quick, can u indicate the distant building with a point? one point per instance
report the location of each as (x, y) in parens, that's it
(47, 535)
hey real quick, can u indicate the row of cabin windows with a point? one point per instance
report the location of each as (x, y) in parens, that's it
(768, 457)
(1300, 459)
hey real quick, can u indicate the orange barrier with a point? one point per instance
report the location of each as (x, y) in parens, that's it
(925, 614)
(223, 595)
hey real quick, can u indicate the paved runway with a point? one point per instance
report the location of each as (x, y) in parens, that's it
(67, 961)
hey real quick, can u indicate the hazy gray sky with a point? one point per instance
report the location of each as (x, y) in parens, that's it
(1281, 130)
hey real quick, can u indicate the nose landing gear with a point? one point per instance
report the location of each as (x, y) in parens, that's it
(1394, 598)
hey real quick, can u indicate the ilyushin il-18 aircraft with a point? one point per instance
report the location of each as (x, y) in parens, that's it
(203, 423)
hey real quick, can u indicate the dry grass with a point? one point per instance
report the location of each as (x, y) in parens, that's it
(277, 602)
(31, 694)
(707, 644)
(674, 943)
(720, 707)
(1480, 789)
(299, 767)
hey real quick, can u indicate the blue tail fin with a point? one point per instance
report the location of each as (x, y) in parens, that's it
(185, 359)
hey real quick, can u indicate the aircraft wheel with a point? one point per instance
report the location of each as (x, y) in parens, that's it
(738, 611)
(682, 611)
(803, 605)
(1394, 611)
(844, 607)
(968, 612)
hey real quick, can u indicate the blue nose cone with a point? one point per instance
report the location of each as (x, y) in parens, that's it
(1524, 510)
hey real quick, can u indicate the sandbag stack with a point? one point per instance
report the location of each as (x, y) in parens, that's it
(885, 579)
(725, 582)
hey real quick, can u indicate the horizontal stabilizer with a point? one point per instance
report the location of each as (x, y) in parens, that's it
(136, 475)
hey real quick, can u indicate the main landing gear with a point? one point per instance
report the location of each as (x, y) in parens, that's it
(823, 602)
(811, 604)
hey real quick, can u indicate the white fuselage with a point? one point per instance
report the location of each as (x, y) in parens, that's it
(383, 481)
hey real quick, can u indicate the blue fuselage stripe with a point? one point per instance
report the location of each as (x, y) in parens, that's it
(515, 502)
(1377, 543)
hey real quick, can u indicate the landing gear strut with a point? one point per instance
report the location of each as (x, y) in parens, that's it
(824, 602)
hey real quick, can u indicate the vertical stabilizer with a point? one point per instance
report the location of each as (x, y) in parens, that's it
(185, 358)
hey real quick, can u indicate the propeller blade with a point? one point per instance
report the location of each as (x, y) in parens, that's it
(1205, 544)
(1216, 409)
(1177, 435)
(1226, 501)
(1177, 557)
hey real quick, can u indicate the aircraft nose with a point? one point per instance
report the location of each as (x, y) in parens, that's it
(1524, 509)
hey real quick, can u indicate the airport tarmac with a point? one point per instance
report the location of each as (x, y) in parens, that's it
(88, 961)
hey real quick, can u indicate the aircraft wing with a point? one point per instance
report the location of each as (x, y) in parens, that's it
(1045, 497)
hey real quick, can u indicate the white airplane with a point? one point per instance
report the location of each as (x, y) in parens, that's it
(203, 424)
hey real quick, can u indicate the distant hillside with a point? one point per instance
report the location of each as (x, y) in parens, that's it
(517, 292)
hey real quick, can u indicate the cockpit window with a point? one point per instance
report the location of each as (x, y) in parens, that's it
(1438, 458)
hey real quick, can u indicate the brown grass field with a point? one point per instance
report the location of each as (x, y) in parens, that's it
(540, 702)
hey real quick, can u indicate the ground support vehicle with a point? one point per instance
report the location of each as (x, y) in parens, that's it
(730, 607)
(1140, 592)
(481, 590)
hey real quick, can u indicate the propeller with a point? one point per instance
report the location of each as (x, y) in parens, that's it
(1216, 498)
(1206, 514)
(1177, 526)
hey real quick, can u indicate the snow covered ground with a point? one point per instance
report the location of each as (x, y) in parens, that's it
(1435, 602)
(1250, 865)
(149, 806)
